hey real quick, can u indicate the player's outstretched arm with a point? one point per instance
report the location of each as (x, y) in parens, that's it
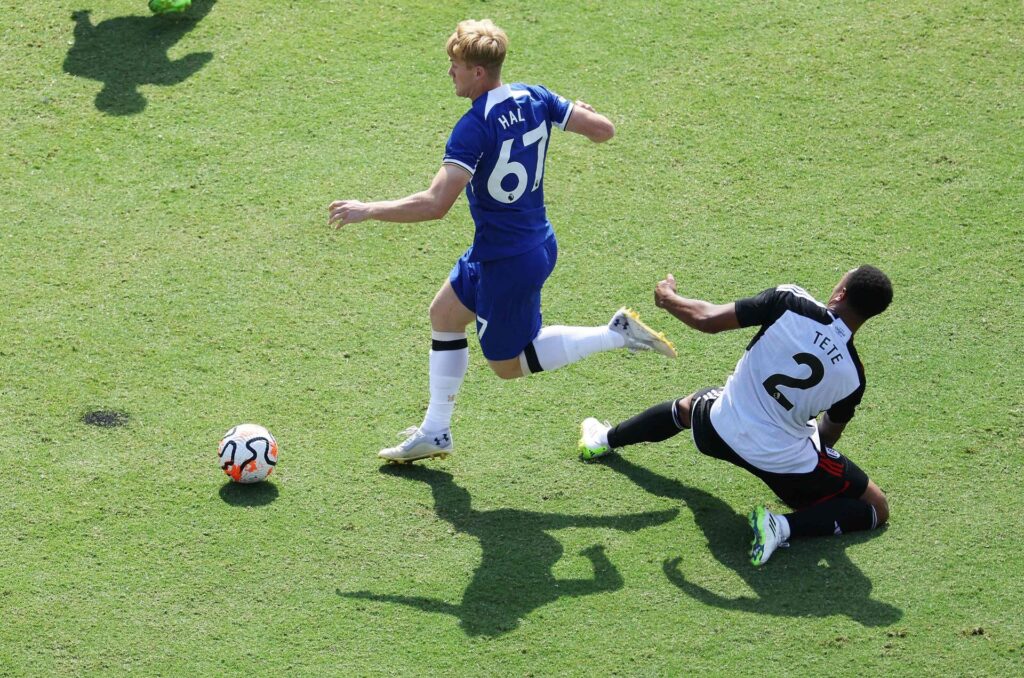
(700, 315)
(432, 203)
(588, 122)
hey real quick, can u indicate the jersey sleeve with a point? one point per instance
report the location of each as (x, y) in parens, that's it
(767, 307)
(466, 144)
(842, 412)
(761, 309)
(559, 108)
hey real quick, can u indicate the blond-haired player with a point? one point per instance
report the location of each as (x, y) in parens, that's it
(496, 154)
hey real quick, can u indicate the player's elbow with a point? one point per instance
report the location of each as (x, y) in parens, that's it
(712, 318)
(602, 132)
(436, 209)
(436, 212)
(707, 324)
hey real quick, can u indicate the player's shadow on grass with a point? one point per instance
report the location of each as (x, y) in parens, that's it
(792, 584)
(126, 52)
(514, 576)
(254, 494)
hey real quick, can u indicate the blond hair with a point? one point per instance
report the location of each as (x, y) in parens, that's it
(479, 43)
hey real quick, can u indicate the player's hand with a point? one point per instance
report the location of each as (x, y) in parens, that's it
(347, 212)
(664, 290)
(585, 106)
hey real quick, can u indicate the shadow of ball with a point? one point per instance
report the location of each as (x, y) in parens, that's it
(255, 494)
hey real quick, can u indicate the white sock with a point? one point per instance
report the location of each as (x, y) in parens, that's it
(557, 346)
(783, 527)
(447, 369)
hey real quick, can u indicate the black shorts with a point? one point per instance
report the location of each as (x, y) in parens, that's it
(834, 476)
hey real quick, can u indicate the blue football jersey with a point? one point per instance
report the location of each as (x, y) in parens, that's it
(502, 141)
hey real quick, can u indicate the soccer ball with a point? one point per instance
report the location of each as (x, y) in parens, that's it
(247, 453)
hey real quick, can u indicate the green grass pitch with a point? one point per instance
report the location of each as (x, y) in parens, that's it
(164, 253)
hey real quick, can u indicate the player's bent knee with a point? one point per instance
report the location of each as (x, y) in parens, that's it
(447, 313)
(874, 496)
(440, 315)
(882, 511)
(506, 369)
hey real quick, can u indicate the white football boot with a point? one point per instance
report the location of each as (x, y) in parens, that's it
(640, 337)
(591, 433)
(418, 445)
(767, 535)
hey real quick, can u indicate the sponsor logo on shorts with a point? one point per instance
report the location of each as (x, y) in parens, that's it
(832, 453)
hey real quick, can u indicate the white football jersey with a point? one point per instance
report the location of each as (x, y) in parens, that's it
(801, 363)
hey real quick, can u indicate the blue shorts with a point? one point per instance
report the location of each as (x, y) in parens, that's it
(505, 295)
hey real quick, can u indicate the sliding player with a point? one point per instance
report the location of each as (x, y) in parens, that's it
(801, 363)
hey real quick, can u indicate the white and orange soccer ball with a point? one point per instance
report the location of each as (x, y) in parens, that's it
(247, 453)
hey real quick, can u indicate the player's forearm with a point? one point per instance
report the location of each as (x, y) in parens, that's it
(416, 207)
(696, 313)
(829, 432)
(829, 440)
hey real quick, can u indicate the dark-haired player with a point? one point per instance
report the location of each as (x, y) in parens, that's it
(801, 363)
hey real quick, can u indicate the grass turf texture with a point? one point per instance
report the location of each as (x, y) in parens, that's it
(173, 263)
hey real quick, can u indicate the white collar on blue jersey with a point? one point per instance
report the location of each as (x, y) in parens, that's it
(499, 94)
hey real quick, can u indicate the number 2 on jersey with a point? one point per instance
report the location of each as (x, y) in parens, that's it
(772, 383)
(505, 166)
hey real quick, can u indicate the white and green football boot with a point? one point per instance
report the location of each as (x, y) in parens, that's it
(592, 433)
(169, 6)
(767, 535)
(418, 445)
(638, 336)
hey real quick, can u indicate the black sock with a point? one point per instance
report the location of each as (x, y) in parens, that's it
(650, 426)
(835, 516)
